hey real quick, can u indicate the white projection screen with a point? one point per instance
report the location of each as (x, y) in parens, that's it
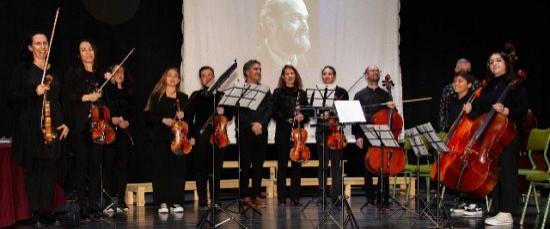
(348, 35)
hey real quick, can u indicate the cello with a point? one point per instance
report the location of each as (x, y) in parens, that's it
(476, 172)
(456, 140)
(387, 160)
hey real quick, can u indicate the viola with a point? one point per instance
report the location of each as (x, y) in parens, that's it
(387, 160)
(336, 140)
(48, 132)
(180, 144)
(476, 172)
(299, 152)
(456, 140)
(102, 132)
(219, 136)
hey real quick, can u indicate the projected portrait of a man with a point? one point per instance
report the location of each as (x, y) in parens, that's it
(284, 32)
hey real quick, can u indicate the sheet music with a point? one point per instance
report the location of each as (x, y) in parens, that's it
(428, 131)
(416, 142)
(377, 134)
(349, 111)
(251, 98)
(319, 92)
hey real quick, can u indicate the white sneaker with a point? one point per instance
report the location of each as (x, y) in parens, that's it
(176, 208)
(472, 210)
(109, 210)
(163, 208)
(502, 218)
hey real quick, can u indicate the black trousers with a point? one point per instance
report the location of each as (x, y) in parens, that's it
(169, 172)
(40, 182)
(88, 158)
(373, 191)
(203, 168)
(325, 155)
(115, 165)
(253, 150)
(505, 194)
(282, 141)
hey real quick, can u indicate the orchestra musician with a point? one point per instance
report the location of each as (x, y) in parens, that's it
(119, 98)
(328, 75)
(500, 74)
(372, 94)
(198, 112)
(285, 101)
(80, 84)
(169, 169)
(29, 147)
(252, 136)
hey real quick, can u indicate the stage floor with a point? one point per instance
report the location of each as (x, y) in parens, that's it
(291, 216)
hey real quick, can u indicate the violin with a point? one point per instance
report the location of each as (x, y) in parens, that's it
(476, 172)
(387, 160)
(48, 132)
(336, 140)
(102, 132)
(299, 152)
(219, 136)
(181, 144)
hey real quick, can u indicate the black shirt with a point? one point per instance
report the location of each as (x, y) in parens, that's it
(200, 108)
(368, 96)
(164, 108)
(79, 82)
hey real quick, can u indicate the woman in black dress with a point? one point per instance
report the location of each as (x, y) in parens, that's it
(29, 148)
(81, 82)
(168, 168)
(287, 115)
(119, 99)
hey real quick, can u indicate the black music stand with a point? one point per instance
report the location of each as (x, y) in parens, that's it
(248, 96)
(320, 101)
(212, 91)
(381, 136)
(349, 112)
(419, 150)
(439, 146)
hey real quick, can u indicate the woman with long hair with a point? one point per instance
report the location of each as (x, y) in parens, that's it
(168, 168)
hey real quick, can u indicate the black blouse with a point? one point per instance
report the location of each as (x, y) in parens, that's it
(28, 139)
(164, 107)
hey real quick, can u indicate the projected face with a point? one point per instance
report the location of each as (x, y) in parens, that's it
(286, 24)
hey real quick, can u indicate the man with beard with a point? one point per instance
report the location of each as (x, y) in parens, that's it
(285, 26)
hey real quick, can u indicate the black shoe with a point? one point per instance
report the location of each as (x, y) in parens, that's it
(282, 202)
(94, 214)
(296, 202)
(50, 218)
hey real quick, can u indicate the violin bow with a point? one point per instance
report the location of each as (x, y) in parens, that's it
(116, 69)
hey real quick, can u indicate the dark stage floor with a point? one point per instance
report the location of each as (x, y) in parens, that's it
(291, 216)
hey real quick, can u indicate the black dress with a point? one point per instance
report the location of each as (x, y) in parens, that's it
(28, 147)
(79, 82)
(115, 157)
(168, 168)
(283, 102)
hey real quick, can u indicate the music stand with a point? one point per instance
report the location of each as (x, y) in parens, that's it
(248, 96)
(439, 146)
(381, 136)
(348, 112)
(320, 101)
(419, 150)
(212, 91)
